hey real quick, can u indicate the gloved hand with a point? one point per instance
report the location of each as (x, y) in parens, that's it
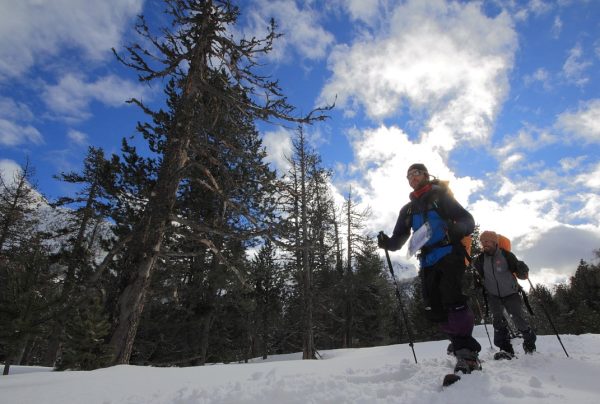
(455, 232)
(382, 240)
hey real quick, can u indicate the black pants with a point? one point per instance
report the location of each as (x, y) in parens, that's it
(514, 308)
(445, 302)
(442, 286)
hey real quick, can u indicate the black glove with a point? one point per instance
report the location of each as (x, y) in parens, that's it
(382, 240)
(455, 232)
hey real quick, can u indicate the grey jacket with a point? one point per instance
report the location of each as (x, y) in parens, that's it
(497, 272)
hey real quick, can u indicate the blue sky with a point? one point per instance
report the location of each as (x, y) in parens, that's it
(502, 98)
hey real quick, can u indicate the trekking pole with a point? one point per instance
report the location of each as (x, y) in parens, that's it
(483, 318)
(549, 319)
(479, 305)
(410, 339)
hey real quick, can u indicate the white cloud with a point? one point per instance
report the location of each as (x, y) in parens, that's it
(522, 215)
(12, 109)
(385, 154)
(557, 26)
(589, 209)
(591, 178)
(523, 10)
(14, 131)
(574, 68)
(527, 139)
(13, 134)
(511, 161)
(366, 11)
(77, 137)
(71, 96)
(447, 60)
(558, 251)
(541, 76)
(583, 123)
(300, 27)
(34, 30)
(570, 163)
(534, 219)
(539, 7)
(278, 145)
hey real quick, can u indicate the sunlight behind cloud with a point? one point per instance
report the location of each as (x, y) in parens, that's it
(384, 155)
(448, 60)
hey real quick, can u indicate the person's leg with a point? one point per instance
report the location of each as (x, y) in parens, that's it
(461, 320)
(430, 278)
(514, 308)
(501, 335)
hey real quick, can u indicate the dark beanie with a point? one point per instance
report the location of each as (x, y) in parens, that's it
(418, 166)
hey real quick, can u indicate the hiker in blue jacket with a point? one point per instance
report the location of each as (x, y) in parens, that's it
(498, 271)
(438, 223)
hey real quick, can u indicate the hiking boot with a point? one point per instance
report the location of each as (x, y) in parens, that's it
(466, 361)
(508, 348)
(466, 366)
(529, 347)
(529, 338)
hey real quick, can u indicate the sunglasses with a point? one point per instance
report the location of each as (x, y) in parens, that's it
(413, 173)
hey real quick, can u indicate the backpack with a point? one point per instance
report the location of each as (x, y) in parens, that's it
(465, 241)
(504, 242)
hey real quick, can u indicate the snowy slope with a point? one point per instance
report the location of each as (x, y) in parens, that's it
(368, 375)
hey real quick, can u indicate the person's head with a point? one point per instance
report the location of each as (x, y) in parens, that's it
(417, 175)
(489, 242)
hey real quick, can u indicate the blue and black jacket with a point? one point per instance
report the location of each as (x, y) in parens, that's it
(440, 209)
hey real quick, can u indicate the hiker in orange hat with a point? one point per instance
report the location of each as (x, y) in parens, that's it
(498, 270)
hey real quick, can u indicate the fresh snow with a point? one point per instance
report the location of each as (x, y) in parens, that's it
(367, 375)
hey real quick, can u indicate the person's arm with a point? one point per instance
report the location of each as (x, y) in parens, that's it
(401, 231)
(462, 222)
(518, 268)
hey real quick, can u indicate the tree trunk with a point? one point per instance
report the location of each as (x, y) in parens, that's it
(308, 336)
(348, 315)
(205, 337)
(145, 246)
(149, 232)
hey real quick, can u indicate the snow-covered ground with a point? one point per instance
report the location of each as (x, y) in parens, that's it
(368, 375)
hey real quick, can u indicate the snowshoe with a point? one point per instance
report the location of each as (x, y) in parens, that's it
(449, 379)
(463, 365)
(503, 355)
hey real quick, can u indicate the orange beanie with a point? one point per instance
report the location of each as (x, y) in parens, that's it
(488, 235)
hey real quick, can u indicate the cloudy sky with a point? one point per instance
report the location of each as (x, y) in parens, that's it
(502, 98)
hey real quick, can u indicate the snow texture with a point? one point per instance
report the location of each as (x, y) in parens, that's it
(367, 375)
